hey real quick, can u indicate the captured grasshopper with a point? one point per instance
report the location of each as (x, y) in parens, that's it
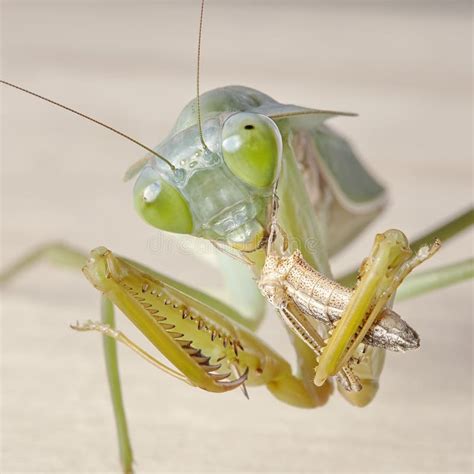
(214, 178)
(302, 295)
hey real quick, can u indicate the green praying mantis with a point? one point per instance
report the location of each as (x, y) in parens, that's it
(215, 178)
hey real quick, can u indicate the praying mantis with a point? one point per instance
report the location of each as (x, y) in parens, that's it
(312, 236)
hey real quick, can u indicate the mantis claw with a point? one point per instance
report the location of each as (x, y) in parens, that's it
(231, 384)
(244, 391)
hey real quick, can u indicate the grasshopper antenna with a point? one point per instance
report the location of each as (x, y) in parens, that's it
(198, 74)
(108, 127)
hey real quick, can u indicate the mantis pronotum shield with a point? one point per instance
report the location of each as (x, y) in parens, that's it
(300, 81)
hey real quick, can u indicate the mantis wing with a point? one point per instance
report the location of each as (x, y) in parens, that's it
(345, 196)
(300, 117)
(356, 196)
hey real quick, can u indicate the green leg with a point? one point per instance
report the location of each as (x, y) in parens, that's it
(67, 256)
(444, 232)
(113, 376)
(55, 252)
(440, 277)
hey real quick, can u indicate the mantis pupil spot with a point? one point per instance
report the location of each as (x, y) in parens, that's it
(151, 192)
(249, 127)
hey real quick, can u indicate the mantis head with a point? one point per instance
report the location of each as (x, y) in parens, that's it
(220, 184)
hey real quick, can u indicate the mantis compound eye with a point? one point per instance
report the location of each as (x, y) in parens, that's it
(162, 205)
(251, 146)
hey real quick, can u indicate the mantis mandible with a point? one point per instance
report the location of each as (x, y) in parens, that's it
(317, 256)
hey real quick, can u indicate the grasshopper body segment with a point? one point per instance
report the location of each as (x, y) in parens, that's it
(323, 299)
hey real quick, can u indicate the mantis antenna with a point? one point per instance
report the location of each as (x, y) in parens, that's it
(198, 73)
(108, 127)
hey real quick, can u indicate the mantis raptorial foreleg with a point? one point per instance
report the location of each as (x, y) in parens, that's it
(198, 340)
(281, 382)
(266, 367)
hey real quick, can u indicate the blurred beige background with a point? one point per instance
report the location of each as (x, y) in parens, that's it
(405, 67)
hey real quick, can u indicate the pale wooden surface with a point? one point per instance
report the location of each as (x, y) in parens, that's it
(405, 69)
